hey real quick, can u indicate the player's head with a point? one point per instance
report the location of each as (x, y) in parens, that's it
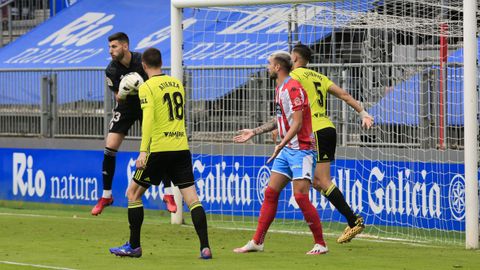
(118, 45)
(151, 59)
(301, 54)
(279, 62)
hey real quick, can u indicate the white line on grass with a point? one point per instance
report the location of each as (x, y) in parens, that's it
(25, 215)
(364, 237)
(71, 217)
(36, 265)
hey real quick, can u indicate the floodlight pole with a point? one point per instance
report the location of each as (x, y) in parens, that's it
(470, 101)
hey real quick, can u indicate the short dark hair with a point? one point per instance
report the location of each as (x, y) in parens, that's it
(120, 36)
(282, 58)
(304, 51)
(152, 57)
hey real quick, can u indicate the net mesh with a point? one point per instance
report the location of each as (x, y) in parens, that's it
(400, 59)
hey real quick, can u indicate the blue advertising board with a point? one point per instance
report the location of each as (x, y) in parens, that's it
(392, 193)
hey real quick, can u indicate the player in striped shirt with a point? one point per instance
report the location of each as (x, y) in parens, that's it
(294, 156)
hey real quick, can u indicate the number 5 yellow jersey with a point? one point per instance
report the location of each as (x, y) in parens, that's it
(162, 99)
(316, 85)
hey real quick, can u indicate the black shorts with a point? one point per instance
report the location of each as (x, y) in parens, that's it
(326, 139)
(174, 166)
(124, 116)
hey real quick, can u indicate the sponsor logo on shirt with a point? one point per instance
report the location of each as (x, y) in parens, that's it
(174, 134)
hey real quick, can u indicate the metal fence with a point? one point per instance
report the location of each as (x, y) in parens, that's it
(222, 100)
(19, 16)
(52, 103)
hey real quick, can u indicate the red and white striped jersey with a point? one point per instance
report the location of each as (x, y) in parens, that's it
(289, 97)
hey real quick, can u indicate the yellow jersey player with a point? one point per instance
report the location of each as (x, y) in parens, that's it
(317, 86)
(164, 153)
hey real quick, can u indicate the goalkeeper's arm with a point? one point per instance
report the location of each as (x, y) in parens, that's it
(367, 119)
(112, 84)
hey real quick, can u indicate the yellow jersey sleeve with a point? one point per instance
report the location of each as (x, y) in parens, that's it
(146, 103)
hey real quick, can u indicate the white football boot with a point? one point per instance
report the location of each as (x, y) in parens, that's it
(317, 250)
(249, 247)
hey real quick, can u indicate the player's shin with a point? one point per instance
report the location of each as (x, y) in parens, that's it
(135, 219)
(311, 217)
(108, 167)
(267, 214)
(199, 220)
(335, 196)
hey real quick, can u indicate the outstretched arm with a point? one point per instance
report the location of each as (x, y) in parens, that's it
(367, 119)
(247, 134)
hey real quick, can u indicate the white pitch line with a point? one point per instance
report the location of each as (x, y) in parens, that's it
(71, 217)
(37, 265)
(25, 215)
(365, 237)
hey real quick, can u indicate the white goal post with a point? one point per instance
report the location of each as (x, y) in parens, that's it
(471, 123)
(469, 127)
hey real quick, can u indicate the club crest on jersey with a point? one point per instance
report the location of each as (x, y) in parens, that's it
(297, 101)
(109, 81)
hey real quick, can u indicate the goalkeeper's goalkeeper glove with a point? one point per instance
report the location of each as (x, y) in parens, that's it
(129, 84)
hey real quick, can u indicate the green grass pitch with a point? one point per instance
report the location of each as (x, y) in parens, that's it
(33, 236)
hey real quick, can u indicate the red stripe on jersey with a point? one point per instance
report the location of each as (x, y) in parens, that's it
(285, 122)
(291, 97)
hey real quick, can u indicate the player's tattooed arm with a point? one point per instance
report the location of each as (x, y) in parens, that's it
(246, 134)
(269, 126)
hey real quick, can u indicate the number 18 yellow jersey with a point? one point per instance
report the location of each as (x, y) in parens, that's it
(162, 99)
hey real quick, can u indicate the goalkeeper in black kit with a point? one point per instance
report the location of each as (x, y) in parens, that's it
(124, 75)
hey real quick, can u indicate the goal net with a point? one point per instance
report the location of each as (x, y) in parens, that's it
(402, 59)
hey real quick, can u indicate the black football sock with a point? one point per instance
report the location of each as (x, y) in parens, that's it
(335, 196)
(109, 158)
(135, 219)
(199, 220)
